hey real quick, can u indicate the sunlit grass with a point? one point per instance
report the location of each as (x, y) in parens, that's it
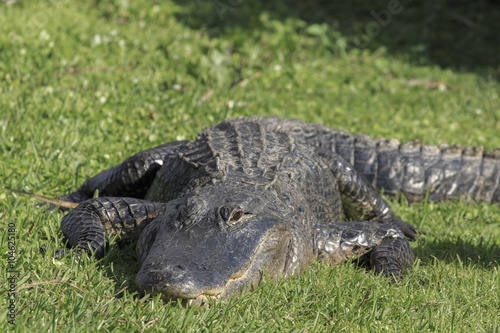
(84, 84)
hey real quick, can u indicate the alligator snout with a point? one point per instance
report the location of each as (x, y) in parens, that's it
(177, 281)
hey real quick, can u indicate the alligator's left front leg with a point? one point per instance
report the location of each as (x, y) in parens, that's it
(386, 248)
(131, 178)
(87, 226)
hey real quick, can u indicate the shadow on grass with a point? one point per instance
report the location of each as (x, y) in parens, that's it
(458, 34)
(121, 265)
(484, 253)
(124, 268)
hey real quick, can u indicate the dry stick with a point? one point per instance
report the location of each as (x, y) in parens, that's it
(56, 202)
(464, 20)
(31, 228)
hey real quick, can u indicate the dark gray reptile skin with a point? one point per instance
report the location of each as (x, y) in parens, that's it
(272, 194)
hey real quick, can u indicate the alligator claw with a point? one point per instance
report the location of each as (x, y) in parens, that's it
(60, 253)
(406, 228)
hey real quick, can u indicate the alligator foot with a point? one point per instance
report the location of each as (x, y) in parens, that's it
(391, 257)
(406, 228)
(59, 253)
(383, 246)
(88, 225)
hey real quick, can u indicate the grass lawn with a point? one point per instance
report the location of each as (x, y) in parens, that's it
(84, 84)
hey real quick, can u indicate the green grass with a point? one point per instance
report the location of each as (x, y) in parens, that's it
(84, 84)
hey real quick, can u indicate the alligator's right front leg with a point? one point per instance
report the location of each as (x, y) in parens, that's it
(384, 246)
(87, 226)
(131, 178)
(360, 200)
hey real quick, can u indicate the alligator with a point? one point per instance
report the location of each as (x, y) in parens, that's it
(256, 195)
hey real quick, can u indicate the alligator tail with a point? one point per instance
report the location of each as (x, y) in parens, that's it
(415, 170)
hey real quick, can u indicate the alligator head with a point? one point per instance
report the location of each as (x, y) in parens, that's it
(214, 242)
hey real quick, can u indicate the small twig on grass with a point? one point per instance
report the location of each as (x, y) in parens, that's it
(464, 20)
(431, 84)
(42, 283)
(366, 297)
(49, 282)
(31, 228)
(53, 201)
(122, 290)
(77, 70)
(149, 323)
(244, 82)
(207, 95)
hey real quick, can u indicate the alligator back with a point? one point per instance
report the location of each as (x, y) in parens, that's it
(253, 155)
(411, 169)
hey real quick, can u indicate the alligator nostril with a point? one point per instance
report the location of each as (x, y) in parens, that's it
(180, 267)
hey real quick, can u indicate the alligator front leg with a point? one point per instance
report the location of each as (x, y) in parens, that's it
(131, 178)
(384, 246)
(87, 226)
(360, 200)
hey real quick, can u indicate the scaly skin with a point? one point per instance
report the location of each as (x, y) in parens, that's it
(248, 195)
(411, 169)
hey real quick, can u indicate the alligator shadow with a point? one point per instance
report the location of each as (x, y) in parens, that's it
(458, 34)
(483, 253)
(121, 264)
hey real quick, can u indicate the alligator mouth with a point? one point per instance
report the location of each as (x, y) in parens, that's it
(242, 281)
(217, 295)
(203, 298)
(183, 289)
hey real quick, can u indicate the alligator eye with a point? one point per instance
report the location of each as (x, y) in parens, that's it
(235, 217)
